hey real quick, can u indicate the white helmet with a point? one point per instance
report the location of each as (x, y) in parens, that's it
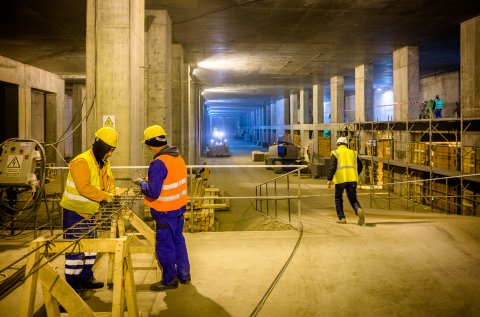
(342, 140)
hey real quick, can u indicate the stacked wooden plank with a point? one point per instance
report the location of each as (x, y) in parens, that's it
(324, 147)
(200, 214)
(471, 160)
(444, 156)
(419, 153)
(201, 218)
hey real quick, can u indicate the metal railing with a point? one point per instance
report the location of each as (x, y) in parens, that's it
(263, 188)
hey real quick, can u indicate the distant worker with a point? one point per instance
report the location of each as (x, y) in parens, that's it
(457, 110)
(431, 107)
(345, 166)
(89, 182)
(166, 195)
(438, 107)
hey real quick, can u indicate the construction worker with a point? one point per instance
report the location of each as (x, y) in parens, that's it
(345, 166)
(438, 107)
(89, 182)
(166, 195)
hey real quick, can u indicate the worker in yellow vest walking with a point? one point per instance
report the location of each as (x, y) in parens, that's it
(345, 166)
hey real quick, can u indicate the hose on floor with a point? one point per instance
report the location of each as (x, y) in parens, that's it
(260, 304)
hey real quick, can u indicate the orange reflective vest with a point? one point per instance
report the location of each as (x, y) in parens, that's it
(173, 195)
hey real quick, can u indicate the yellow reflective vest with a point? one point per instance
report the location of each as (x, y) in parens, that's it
(71, 198)
(347, 169)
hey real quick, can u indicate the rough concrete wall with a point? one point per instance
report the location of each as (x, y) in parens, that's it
(350, 108)
(400, 145)
(177, 106)
(406, 83)
(447, 86)
(470, 67)
(27, 78)
(159, 59)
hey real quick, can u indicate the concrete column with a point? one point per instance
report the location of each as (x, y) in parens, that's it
(337, 99)
(470, 68)
(364, 93)
(79, 135)
(159, 78)
(184, 122)
(115, 62)
(406, 88)
(302, 112)
(24, 111)
(293, 109)
(192, 102)
(177, 95)
(317, 107)
(281, 105)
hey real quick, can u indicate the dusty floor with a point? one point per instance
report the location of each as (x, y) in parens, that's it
(401, 263)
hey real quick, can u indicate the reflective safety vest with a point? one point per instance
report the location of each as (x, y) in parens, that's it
(438, 104)
(173, 194)
(347, 170)
(71, 198)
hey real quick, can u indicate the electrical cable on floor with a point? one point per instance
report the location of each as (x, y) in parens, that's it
(260, 304)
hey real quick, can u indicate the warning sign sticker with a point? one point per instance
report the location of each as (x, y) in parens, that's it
(14, 164)
(109, 121)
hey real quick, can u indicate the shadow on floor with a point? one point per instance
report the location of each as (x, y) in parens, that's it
(189, 302)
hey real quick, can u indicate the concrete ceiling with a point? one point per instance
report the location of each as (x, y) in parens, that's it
(254, 51)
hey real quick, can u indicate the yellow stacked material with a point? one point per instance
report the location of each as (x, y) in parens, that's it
(470, 203)
(469, 163)
(296, 138)
(444, 156)
(324, 147)
(444, 198)
(385, 149)
(199, 220)
(418, 153)
(258, 156)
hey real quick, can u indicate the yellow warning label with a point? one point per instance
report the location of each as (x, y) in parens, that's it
(14, 163)
(108, 122)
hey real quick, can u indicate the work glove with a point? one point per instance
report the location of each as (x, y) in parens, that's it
(109, 199)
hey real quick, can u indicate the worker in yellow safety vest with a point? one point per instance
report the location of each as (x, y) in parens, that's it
(89, 182)
(345, 166)
(165, 192)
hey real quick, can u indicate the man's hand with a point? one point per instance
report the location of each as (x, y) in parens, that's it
(138, 180)
(329, 184)
(109, 199)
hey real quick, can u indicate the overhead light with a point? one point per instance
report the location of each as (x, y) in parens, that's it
(213, 64)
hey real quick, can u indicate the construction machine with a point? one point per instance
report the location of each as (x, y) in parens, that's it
(283, 154)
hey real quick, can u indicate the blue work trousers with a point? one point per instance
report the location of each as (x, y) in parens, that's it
(78, 266)
(351, 188)
(170, 247)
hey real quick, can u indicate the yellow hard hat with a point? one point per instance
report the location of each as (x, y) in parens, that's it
(107, 135)
(152, 132)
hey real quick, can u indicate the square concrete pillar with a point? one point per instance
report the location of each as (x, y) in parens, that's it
(178, 107)
(293, 109)
(406, 88)
(115, 74)
(337, 99)
(317, 100)
(364, 93)
(470, 68)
